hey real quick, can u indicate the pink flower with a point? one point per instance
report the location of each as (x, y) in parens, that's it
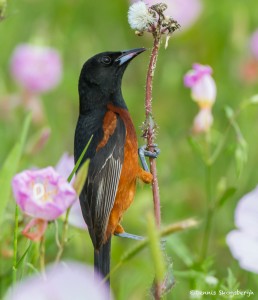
(35, 229)
(65, 281)
(254, 44)
(64, 167)
(203, 87)
(243, 242)
(36, 68)
(203, 121)
(43, 194)
(186, 12)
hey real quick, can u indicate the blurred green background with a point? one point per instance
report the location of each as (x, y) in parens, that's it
(80, 29)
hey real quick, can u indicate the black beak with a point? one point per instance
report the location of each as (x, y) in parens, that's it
(128, 55)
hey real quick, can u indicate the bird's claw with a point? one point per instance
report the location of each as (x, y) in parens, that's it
(143, 152)
(153, 154)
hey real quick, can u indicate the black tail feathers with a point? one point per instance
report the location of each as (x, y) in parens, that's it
(102, 259)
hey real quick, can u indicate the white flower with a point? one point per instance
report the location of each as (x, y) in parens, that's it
(211, 280)
(243, 242)
(203, 121)
(139, 17)
(64, 281)
(203, 86)
(204, 91)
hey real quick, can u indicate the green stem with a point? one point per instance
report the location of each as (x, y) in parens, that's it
(170, 229)
(15, 243)
(61, 246)
(42, 255)
(209, 213)
(223, 141)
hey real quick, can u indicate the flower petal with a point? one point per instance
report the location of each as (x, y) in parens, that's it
(36, 68)
(43, 193)
(244, 248)
(254, 44)
(246, 214)
(65, 281)
(39, 227)
(203, 121)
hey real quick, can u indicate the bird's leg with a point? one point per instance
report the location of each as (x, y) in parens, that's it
(119, 231)
(130, 236)
(143, 152)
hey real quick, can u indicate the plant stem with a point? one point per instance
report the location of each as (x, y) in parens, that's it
(42, 255)
(209, 213)
(61, 246)
(150, 135)
(15, 244)
(170, 229)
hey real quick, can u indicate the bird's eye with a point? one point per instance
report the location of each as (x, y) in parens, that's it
(106, 60)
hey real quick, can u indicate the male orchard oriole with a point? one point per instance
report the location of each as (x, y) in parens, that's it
(113, 152)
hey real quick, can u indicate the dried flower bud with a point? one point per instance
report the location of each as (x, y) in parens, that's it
(159, 8)
(139, 33)
(173, 25)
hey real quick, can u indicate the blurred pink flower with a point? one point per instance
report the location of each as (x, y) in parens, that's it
(254, 44)
(249, 71)
(186, 12)
(36, 68)
(203, 121)
(35, 229)
(38, 142)
(64, 167)
(43, 194)
(203, 87)
(243, 242)
(65, 281)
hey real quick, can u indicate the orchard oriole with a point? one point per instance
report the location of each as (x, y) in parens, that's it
(113, 152)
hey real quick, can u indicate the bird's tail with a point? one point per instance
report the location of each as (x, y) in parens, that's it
(102, 259)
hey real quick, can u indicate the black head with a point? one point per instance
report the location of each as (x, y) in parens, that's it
(101, 76)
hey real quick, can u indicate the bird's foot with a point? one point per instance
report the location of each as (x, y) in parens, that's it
(143, 152)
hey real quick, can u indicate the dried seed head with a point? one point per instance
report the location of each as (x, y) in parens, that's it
(139, 16)
(159, 8)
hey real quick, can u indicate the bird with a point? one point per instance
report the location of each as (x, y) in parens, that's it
(114, 166)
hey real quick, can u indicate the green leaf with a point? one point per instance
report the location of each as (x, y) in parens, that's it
(79, 161)
(155, 249)
(10, 167)
(229, 112)
(81, 177)
(23, 255)
(231, 285)
(196, 146)
(241, 155)
(178, 247)
(226, 195)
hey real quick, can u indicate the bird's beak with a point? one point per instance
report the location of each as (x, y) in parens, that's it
(128, 55)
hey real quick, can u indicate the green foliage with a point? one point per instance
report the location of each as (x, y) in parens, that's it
(155, 249)
(80, 29)
(10, 167)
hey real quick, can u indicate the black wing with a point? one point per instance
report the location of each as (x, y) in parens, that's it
(98, 196)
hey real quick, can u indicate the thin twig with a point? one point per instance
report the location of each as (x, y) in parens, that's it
(150, 134)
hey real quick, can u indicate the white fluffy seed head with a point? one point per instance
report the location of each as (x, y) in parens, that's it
(139, 17)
